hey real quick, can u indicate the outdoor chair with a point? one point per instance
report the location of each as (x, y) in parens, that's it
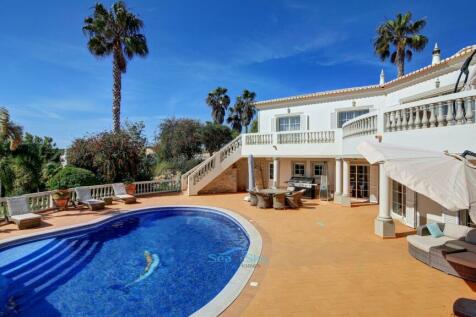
(264, 201)
(279, 201)
(83, 196)
(253, 198)
(121, 194)
(19, 213)
(294, 199)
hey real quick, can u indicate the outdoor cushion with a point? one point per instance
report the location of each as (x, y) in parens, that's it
(467, 259)
(25, 217)
(434, 230)
(471, 236)
(455, 231)
(18, 206)
(424, 243)
(119, 189)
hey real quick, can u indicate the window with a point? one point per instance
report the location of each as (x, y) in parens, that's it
(359, 181)
(289, 123)
(398, 198)
(271, 171)
(318, 169)
(344, 116)
(298, 169)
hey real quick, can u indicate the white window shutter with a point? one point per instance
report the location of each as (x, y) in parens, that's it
(304, 122)
(273, 124)
(333, 120)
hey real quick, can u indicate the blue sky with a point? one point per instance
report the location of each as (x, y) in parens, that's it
(53, 86)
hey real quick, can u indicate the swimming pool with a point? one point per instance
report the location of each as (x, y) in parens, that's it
(168, 261)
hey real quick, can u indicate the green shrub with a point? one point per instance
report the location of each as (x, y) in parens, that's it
(70, 177)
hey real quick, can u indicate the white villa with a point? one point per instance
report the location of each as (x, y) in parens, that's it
(316, 135)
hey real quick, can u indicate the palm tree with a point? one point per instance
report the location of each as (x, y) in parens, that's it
(404, 35)
(219, 101)
(234, 117)
(117, 33)
(247, 106)
(9, 130)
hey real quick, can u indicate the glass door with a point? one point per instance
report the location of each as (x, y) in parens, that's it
(359, 181)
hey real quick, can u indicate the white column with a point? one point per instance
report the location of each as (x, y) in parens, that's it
(384, 226)
(345, 183)
(275, 172)
(338, 190)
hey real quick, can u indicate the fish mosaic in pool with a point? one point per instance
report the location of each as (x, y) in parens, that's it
(144, 264)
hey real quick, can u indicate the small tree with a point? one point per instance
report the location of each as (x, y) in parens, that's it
(178, 138)
(214, 136)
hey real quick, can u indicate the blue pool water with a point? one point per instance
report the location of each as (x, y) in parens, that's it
(166, 263)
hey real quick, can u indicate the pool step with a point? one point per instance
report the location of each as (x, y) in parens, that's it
(40, 275)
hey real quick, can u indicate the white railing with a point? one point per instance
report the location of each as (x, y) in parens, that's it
(362, 125)
(43, 201)
(214, 165)
(258, 138)
(303, 137)
(447, 110)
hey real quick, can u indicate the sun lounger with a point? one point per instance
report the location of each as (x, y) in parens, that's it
(83, 196)
(19, 213)
(121, 194)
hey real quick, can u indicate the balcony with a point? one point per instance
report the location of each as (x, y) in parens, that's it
(295, 143)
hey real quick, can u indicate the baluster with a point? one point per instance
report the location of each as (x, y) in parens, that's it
(417, 118)
(441, 117)
(410, 123)
(468, 107)
(424, 120)
(392, 120)
(449, 116)
(459, 111)
(432, 116)
(404, 119)
(398, 120)
(388, 124)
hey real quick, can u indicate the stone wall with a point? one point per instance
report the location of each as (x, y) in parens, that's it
(226, 182)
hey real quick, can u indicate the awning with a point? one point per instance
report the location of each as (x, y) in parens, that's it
(450, 180)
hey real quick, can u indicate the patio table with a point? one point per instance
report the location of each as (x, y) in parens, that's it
(274, 191)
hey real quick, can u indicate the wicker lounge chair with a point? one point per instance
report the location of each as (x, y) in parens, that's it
(279, 201)
(294, 200)
(121, 194)
(264, 200)
(253, 198)
(84, 197)
(19, 213)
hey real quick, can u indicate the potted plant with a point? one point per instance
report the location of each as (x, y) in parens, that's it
(130, 186)
(61, 198)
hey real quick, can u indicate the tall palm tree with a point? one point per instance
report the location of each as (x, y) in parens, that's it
(219, 101)
(234, 117)
(247, 106)
(404, 35)
(9, 130)
(117, 33)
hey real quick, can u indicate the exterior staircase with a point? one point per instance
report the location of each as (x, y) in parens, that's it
(201, 175)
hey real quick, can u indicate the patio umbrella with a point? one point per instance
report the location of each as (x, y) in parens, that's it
(448, 179)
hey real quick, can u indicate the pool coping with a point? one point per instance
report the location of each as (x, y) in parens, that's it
(223, 299)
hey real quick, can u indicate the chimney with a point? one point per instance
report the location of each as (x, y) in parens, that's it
(436, 55)
(382, 78)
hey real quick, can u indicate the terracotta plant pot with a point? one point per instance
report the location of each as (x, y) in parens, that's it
(61, 198)
(130, 189)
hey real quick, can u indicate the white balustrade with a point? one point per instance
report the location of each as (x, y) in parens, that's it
(363, 125)
(43, 201)
(258, 138)
(305, 137)
(435, 112)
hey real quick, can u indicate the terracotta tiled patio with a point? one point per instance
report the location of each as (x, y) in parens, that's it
(322, 260)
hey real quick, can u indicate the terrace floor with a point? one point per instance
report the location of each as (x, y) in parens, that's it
(322, 260)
